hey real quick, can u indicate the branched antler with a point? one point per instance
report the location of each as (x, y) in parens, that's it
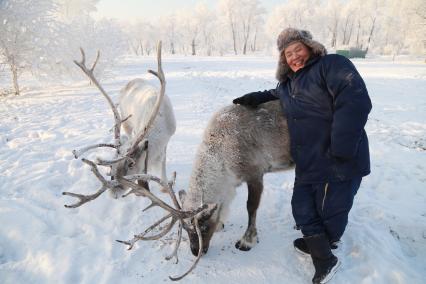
(177, 244)
(181, 214)
(142, 237)
(200, 252)
(160, 75)
(89, 73)
(175, 214)
(102, 162)
(86, 198)
(78, 153)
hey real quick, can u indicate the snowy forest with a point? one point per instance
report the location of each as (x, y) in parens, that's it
(44, 39)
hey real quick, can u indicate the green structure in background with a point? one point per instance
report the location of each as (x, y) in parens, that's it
(352, 52)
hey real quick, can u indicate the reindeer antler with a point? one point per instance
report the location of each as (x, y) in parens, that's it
(175, 214)
(89, 73)
(86, 198)
(160, 75)
(117, 143)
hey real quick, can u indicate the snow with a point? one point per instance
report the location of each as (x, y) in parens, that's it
(43, 242)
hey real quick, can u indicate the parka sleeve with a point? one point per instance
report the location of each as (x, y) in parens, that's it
(351, 104)
(261, 97)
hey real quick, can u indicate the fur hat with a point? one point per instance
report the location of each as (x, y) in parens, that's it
(289, 36)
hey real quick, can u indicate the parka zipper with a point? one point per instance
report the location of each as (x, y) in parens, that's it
(325, 195)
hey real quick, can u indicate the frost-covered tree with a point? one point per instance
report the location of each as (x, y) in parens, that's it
(44, 36)
(418, 31)
(249, 15)
(240, 18)
(141, 37)
(28, 37)
(69, 10)
(134, 39)
(228, 11)
(207, 21)
(366, 14)
(347, 24)
(332, 11)
(104, 35)
(189, 29)
(301, 14)
(420, 9)
(169, 28)
(83, 31)
(391, 39)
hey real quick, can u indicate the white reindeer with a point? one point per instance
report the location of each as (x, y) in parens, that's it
(136, 101)
(239, 145)
(148, 120)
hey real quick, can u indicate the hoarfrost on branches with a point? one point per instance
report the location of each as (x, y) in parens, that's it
(43, 41)
(27, 37)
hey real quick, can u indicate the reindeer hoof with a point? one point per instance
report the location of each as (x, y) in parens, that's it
(244, 245)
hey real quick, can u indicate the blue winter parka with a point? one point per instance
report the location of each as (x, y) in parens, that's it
(326, 104)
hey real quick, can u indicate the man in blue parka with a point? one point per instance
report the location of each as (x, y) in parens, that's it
(327, 104)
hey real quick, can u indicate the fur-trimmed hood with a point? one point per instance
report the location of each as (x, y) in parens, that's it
(288, 36)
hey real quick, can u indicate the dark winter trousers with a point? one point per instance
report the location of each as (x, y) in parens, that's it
(323, 207)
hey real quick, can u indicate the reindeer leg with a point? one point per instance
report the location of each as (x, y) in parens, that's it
(163, 168)
(255, 188)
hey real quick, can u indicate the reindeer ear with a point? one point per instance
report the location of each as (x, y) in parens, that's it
(208, 212)
(142, 147)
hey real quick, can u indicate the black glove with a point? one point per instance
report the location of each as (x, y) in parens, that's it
(249, 100)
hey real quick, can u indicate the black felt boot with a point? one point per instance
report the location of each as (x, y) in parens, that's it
(324, 261)
(301, 246)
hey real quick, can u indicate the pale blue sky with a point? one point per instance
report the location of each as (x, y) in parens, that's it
(149, 9)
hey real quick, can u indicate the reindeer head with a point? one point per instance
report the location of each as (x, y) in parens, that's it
(129, 165)
(131, 162)
(207, 228)
(206, 223)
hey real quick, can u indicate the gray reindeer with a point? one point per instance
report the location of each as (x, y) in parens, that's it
(240, 144)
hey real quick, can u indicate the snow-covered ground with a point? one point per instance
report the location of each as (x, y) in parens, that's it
(43, 242)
